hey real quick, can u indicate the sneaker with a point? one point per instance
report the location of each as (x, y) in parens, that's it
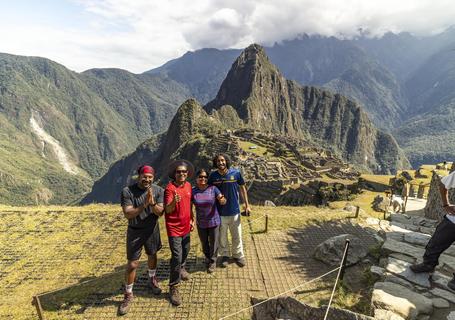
(241, 262)
(174, 296)
(451, 283)
(156, 290)
(184, 275)
(224, 262)
(211, 267)
(124, 307)
(422, 267)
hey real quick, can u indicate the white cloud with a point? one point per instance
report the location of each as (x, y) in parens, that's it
(141, 34)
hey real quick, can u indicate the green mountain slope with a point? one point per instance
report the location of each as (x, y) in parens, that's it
(73, 125)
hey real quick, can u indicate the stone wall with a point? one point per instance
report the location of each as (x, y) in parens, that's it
(291, 309)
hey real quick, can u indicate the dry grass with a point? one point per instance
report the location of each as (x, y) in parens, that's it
(253, 148)
(382, 179)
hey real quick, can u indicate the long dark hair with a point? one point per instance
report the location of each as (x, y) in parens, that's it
(225, 156)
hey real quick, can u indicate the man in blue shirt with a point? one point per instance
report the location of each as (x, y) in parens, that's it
(231, 184)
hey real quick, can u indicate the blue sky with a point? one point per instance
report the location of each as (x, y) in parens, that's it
(138, 35)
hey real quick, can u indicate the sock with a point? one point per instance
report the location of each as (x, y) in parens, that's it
(129, 288)
(152, 272)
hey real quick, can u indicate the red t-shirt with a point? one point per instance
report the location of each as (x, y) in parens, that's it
(178, 221)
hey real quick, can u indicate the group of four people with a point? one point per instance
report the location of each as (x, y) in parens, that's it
(215, 198)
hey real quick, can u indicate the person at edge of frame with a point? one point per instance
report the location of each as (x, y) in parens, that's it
(230, 182)
(142, 205)
(443, 236)
(179, 223)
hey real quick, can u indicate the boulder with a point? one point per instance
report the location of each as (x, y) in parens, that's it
(331, 251)
(400, 300)
(381, 314)
(440, 303)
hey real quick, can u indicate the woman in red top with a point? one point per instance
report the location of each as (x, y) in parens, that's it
(179, 223)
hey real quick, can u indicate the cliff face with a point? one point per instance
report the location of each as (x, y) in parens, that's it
(265, 100)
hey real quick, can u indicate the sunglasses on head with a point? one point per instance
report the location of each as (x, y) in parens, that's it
(181, 171)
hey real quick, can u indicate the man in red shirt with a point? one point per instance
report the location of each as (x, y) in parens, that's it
(179, 223)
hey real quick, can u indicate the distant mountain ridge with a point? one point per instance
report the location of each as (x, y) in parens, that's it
(255, 95)
(49, 113)
(404, 83)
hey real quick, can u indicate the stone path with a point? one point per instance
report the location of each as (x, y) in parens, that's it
(401, 291)
(276, 262)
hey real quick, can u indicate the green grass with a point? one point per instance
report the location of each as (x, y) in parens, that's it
(246, 146)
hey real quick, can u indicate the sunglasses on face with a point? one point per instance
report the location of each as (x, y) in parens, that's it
(181, 171)
(203, 177)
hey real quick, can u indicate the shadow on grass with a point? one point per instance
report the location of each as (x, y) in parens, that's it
(107, 290)
(354, 294)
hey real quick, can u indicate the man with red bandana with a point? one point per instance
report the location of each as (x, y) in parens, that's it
(142, 205)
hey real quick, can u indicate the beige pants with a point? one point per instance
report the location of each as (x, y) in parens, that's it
(231, 223)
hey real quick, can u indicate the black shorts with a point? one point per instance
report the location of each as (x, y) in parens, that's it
(148, 238)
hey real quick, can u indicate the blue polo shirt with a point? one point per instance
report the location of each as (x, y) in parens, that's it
(229, 185)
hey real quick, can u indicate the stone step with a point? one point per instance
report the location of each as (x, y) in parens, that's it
(391, 245)
(400, 300)
(401, 268)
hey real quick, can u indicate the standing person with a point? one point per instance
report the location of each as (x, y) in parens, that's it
(443, 236)
(230, 182)
(142, 204)
(179, 223)
(204, 198)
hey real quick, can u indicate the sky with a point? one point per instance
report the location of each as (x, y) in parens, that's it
(138, 35)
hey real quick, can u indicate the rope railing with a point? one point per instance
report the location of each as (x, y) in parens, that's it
(340, 275)
(280, 294)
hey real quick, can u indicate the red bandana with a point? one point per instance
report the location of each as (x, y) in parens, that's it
(146, 169)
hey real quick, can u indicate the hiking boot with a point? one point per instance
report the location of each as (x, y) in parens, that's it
(124, 307)
(451, 283)
(211, 267)
(422, 267)
(174, 296)
(224, 262)
(184, 275)
(156, 290)
(241, 262)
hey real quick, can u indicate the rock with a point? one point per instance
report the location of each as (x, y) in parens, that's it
(440, 303)
(381, 314)
(401, 300)
(269, 203)
(372, 221)
(417, 238)
(391, 245)
(450, 251)
(401, 268)
(402, 226)
(443, 294)
(440, 280)
(426, 230)
(400, 218)
(331, 250)
(394, 279)
(423, 317)
(403, 257)
(451, 316)
(378, 271)
(397, 236)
